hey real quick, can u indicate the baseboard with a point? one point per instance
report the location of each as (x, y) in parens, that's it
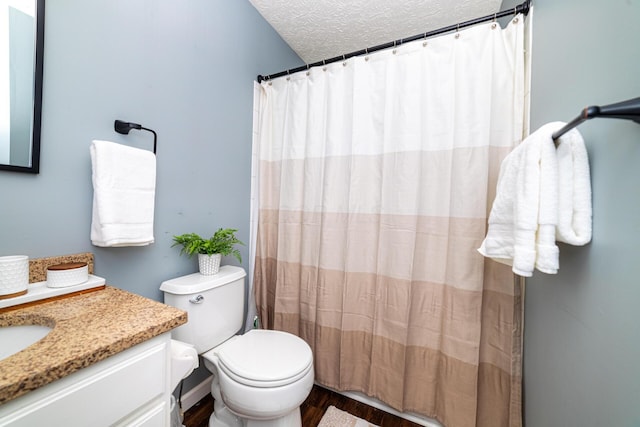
(197, 393)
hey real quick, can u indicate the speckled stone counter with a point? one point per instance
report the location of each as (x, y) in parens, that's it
(87, 328)
(38, 266)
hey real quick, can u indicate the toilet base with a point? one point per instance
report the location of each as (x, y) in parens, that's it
(224, 418)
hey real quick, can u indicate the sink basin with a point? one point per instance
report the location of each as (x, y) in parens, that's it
(16, 338)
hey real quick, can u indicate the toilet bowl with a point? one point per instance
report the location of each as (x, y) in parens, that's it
(262, 374)
(260, 378)
(258, 389)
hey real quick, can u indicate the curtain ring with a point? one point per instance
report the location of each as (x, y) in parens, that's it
(344, 61)
(457, 31)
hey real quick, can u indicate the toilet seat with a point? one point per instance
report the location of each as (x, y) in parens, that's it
(264, 358)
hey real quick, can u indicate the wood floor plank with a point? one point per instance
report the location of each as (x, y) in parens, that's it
(198, 415)
(311, 410)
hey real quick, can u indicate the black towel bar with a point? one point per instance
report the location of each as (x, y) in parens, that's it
(627, 110)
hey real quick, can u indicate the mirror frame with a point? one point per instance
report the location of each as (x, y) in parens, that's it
(37, 97)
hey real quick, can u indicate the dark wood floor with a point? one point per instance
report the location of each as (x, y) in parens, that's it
(312, 410)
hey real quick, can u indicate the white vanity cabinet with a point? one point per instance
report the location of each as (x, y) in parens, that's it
(130, 388)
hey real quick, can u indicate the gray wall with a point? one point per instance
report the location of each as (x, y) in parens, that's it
(182, 68)
(582, 326)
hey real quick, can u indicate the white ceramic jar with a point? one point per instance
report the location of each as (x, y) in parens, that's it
(14, 275)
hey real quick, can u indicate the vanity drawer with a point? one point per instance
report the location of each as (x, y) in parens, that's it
(102, 394)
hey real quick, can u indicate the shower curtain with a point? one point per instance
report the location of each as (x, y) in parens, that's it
(374, 178)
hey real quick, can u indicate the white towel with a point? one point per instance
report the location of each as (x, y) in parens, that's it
(574, 180)
(523, 219)
(124, 180)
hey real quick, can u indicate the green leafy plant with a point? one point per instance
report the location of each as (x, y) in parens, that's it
(222, 242)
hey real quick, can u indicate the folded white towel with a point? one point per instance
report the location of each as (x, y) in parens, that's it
(574, 217)
(523, 219)
(124, 180)
(547, 253)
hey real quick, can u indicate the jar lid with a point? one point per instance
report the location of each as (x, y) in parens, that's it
(67, 266)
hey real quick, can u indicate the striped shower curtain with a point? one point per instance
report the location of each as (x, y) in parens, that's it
(374, 180)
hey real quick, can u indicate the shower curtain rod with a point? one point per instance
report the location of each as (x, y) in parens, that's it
(521, 8)
(627, 110)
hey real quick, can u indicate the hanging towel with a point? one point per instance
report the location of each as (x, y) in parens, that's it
(524, 216)
(124, 180)
(574, 180)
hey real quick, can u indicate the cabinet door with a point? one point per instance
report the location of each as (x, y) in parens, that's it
(99, 395)
(151, 417)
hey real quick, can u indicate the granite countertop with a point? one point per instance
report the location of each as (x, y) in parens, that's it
(87, 328)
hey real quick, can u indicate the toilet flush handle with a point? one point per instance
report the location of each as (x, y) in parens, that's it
(197, 300)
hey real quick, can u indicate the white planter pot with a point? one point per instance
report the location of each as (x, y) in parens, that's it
(209, 264)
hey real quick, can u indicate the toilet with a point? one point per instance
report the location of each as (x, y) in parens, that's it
(260, 378)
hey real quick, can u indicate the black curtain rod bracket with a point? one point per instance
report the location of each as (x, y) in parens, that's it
(626, 110)
(521, 8)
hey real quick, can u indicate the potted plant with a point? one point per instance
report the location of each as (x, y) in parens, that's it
(210, 250)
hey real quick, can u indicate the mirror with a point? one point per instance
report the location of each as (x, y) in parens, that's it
(21, 52)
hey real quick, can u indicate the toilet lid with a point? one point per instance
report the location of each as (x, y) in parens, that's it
(263, 358)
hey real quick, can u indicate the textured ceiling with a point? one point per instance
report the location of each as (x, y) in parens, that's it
(322, 29)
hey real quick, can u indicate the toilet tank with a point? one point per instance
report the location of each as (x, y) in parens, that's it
(214, 304)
